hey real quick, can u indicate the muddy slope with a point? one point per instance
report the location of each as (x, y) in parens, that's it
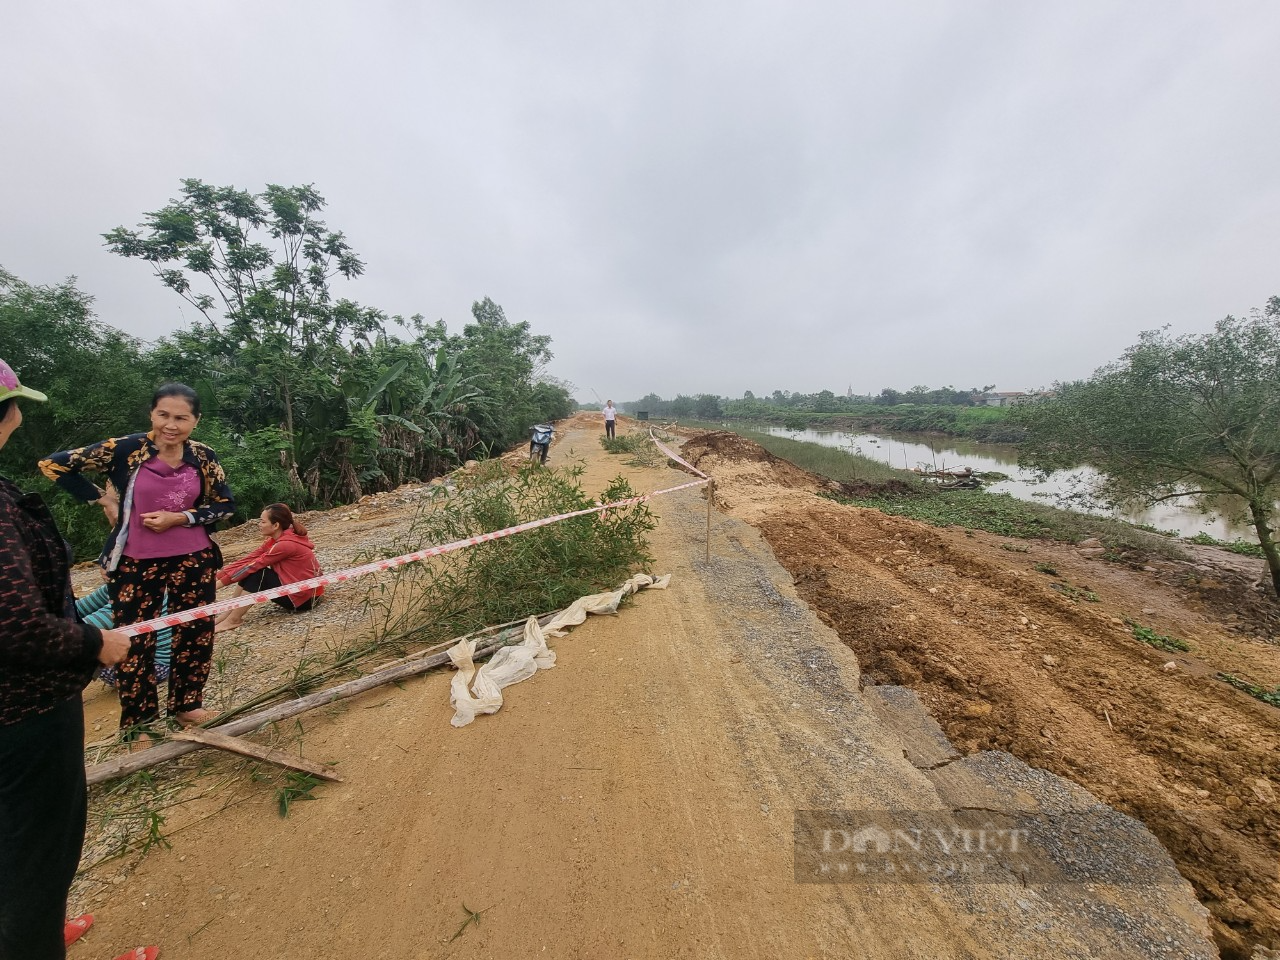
(1005, 660)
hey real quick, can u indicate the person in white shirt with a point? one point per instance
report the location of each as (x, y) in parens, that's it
(610, 414)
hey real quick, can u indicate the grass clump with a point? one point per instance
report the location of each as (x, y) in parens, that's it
(473, 916)
(996, 513)
(1158, 640)
(1006, 516)
(1075, 593)
(641, 451)
(835, 463)
(532, 572)
(1271, 697)
(1242, 547)
(130, 815)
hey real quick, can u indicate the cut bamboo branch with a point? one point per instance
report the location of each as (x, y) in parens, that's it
(267, 696)
(170, 749)
(421, 663)
(220, 741)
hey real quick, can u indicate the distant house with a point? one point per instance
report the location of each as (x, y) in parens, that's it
(1005, 399)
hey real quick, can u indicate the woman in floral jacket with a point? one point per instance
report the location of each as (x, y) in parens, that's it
(164, 493)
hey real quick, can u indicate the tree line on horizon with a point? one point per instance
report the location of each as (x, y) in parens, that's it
(305, 399)
(707, 406)
(921, 409)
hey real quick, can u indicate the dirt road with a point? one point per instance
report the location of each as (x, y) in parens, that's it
(639, 800)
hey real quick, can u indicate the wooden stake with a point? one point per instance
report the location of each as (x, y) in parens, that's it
(711, 495)
(220, 741)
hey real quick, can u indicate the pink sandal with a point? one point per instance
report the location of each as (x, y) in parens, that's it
(141, 953)
(77, 928)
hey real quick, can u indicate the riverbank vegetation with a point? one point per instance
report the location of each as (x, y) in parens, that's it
(872, 483)
(956, 413)
(1193, 418)
(306, 398)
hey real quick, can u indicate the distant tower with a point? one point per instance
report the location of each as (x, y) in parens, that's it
(849, 393)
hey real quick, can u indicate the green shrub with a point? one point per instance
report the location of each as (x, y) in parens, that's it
(84, 527)
(1242, 547)
(1271, 697)
(533, 572)
(253, 467)
(641, 450)
(1158, 640)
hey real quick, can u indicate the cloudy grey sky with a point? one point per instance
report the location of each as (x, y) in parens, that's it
(689, 196)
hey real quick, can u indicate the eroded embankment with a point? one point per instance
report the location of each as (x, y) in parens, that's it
(1006, 663)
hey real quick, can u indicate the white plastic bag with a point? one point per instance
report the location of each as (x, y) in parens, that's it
(473, 691)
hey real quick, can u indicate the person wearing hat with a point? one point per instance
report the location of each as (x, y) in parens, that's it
(46, 660)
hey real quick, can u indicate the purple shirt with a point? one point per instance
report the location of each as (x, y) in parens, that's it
(162, 487)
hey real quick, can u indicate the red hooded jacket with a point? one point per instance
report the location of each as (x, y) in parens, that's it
(292, 557)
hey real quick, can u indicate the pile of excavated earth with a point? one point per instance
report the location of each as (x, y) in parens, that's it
(673, 786)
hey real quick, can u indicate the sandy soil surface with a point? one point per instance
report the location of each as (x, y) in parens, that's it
(640, 799)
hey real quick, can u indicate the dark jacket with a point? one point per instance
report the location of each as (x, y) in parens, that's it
(45, 658)
(120, 458)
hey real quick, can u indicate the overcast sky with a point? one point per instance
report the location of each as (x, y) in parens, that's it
(688, 197)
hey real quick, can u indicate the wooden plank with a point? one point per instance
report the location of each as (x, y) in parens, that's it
(171, 749)
(220, 741)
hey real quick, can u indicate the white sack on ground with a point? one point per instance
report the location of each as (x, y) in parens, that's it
(475, 691)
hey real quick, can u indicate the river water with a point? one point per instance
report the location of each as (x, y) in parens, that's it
(907, 452)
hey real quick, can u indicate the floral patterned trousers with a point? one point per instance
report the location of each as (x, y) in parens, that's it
(138, 589)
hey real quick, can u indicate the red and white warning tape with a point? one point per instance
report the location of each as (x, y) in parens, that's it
(352, 573)
(675, 456)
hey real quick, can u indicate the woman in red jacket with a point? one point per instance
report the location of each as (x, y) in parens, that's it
(286, 556)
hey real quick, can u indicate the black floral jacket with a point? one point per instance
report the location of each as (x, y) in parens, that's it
(120, 458)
